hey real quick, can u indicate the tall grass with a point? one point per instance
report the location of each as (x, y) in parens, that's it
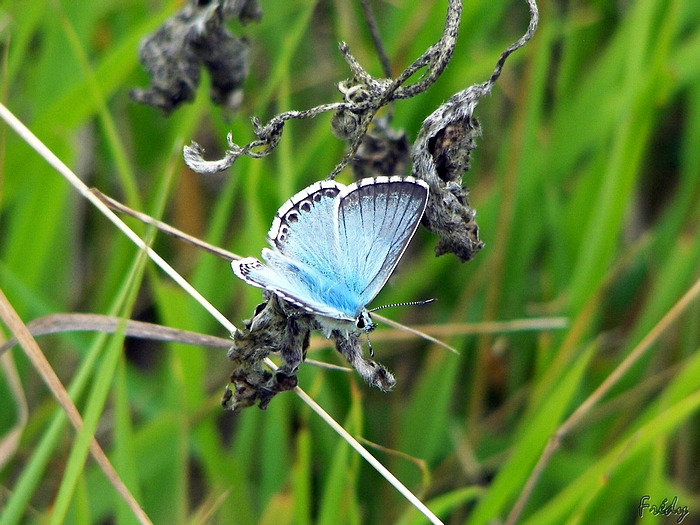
(586, 182)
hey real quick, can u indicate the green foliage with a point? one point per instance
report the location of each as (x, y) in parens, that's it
(586, 182)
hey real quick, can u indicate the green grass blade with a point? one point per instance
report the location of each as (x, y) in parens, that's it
(529, 444)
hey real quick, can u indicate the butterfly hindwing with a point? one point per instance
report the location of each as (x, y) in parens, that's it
(291, 281)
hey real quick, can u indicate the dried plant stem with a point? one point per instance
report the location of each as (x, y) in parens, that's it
(376, 38)
(41, 364)
(166, 228)
(575, 419)
(10, 441)
(79, 185)
(458, 329)
(362, 451)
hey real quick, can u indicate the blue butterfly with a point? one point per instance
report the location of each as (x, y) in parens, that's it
(334, 247)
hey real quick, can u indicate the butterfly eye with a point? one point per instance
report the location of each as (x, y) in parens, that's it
(364, 322)
(292, 217)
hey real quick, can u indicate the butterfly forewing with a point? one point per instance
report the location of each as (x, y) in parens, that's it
(376, 220)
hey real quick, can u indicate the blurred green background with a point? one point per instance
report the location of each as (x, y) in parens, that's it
(586, 182)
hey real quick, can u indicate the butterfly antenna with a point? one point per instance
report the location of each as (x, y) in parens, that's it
(410, 303)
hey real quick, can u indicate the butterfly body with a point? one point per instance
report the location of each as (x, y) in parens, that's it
(333, 247)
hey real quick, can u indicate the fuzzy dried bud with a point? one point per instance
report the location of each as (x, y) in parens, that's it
(193, 38)
(283, 329)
